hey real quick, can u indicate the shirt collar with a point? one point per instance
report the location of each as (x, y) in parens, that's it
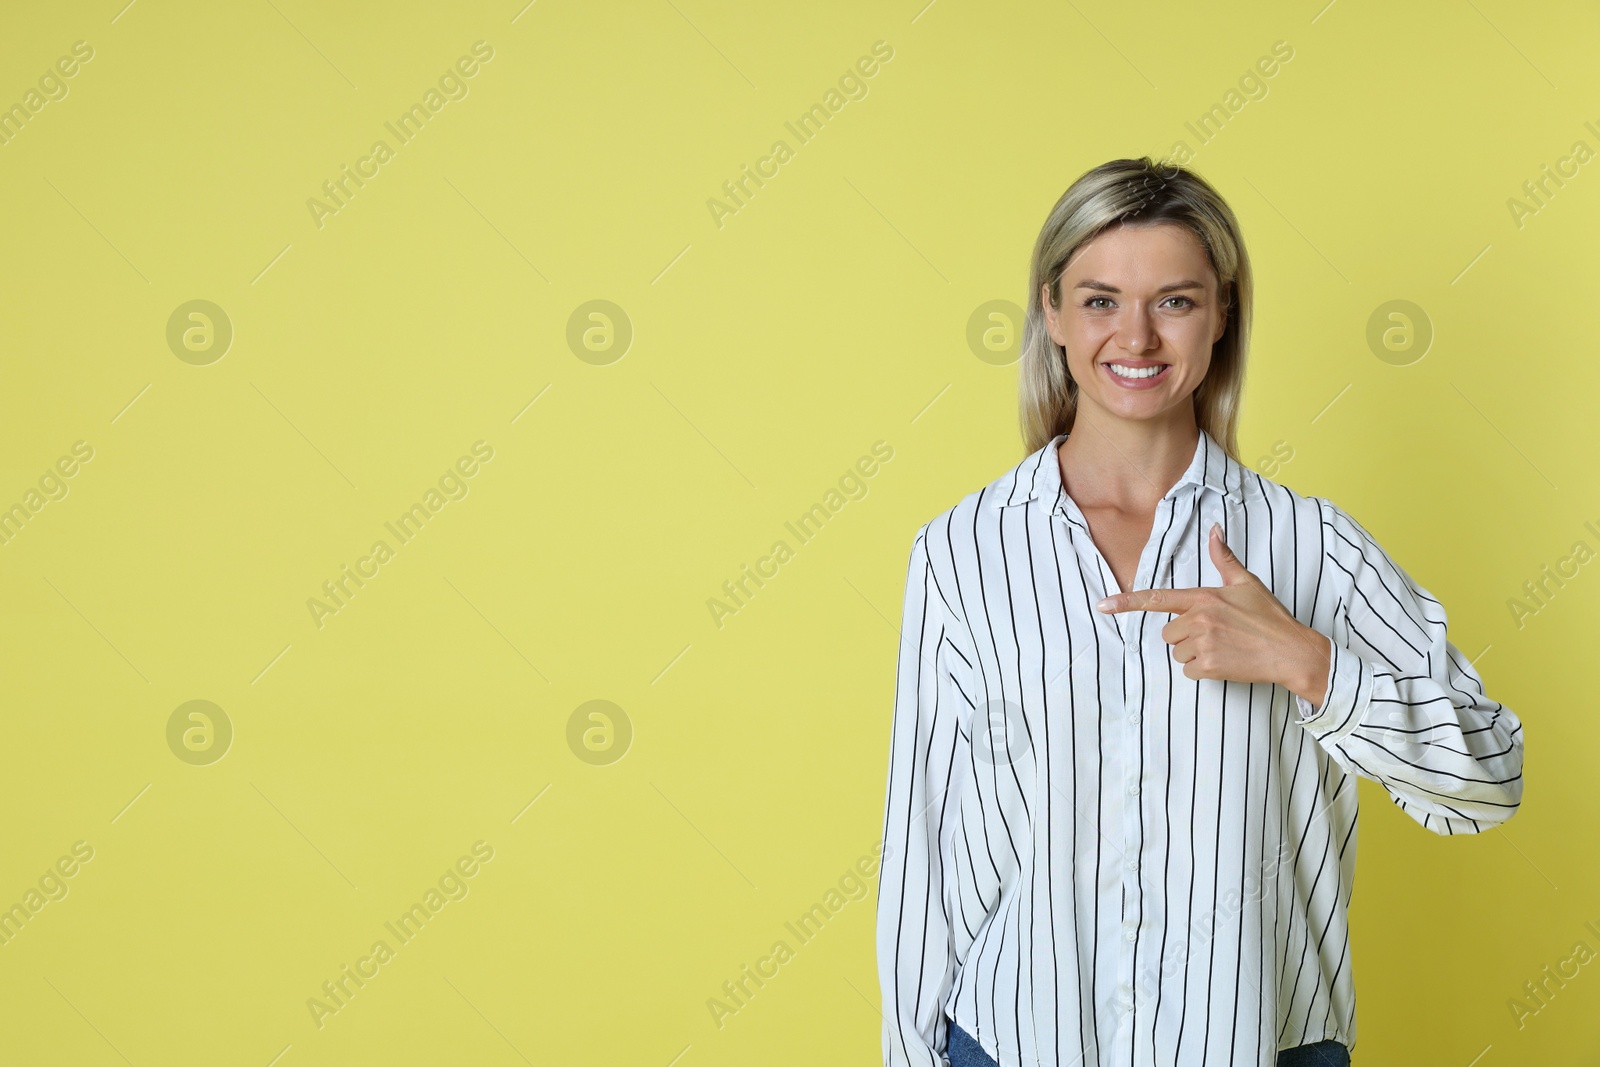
(1038, 477)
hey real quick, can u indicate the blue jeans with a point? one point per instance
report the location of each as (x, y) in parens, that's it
(964, 1051)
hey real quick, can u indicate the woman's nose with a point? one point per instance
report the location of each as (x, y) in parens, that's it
(1134, 333)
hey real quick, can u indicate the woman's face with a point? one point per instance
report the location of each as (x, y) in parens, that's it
(1138, 297)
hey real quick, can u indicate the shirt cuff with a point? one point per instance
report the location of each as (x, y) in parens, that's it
(1350, 683)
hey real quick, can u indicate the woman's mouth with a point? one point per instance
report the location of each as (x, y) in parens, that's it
(1137, 376)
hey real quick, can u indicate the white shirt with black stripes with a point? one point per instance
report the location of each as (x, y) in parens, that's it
(1090, 858)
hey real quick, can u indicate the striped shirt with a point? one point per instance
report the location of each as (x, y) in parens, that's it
(1090, 857)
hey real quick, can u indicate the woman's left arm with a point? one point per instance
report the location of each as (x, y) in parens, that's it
(1403, 706)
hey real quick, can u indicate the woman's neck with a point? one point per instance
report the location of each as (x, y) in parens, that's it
(1128, 466)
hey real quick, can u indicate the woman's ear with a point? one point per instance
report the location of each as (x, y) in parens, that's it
(1052, 312)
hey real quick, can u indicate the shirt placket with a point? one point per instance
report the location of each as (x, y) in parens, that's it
(1127, 768)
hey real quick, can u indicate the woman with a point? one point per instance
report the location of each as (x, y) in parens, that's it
(1135, 684)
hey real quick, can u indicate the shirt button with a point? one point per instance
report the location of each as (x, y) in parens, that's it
(1133, 864)
(1133, 789)
(1133, 935)
(1134, 718)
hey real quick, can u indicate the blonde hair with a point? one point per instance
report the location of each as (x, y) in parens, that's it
(1134, 192)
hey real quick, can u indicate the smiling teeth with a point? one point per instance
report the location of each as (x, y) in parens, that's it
(1135, 372)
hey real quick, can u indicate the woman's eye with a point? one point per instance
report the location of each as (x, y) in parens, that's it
(1186, 305)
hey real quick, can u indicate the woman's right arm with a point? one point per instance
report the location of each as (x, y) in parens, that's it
(928, 755)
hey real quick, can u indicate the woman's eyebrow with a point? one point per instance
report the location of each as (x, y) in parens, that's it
(1090, 283)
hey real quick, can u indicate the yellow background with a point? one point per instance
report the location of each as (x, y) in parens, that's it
(767, 356)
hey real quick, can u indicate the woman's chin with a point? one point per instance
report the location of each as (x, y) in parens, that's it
(1139, 406)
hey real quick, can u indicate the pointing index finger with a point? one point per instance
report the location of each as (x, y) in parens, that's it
(1171, 600)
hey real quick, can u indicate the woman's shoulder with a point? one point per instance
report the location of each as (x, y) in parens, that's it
(1347, 545)
(980, 508)
(1259, 493)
